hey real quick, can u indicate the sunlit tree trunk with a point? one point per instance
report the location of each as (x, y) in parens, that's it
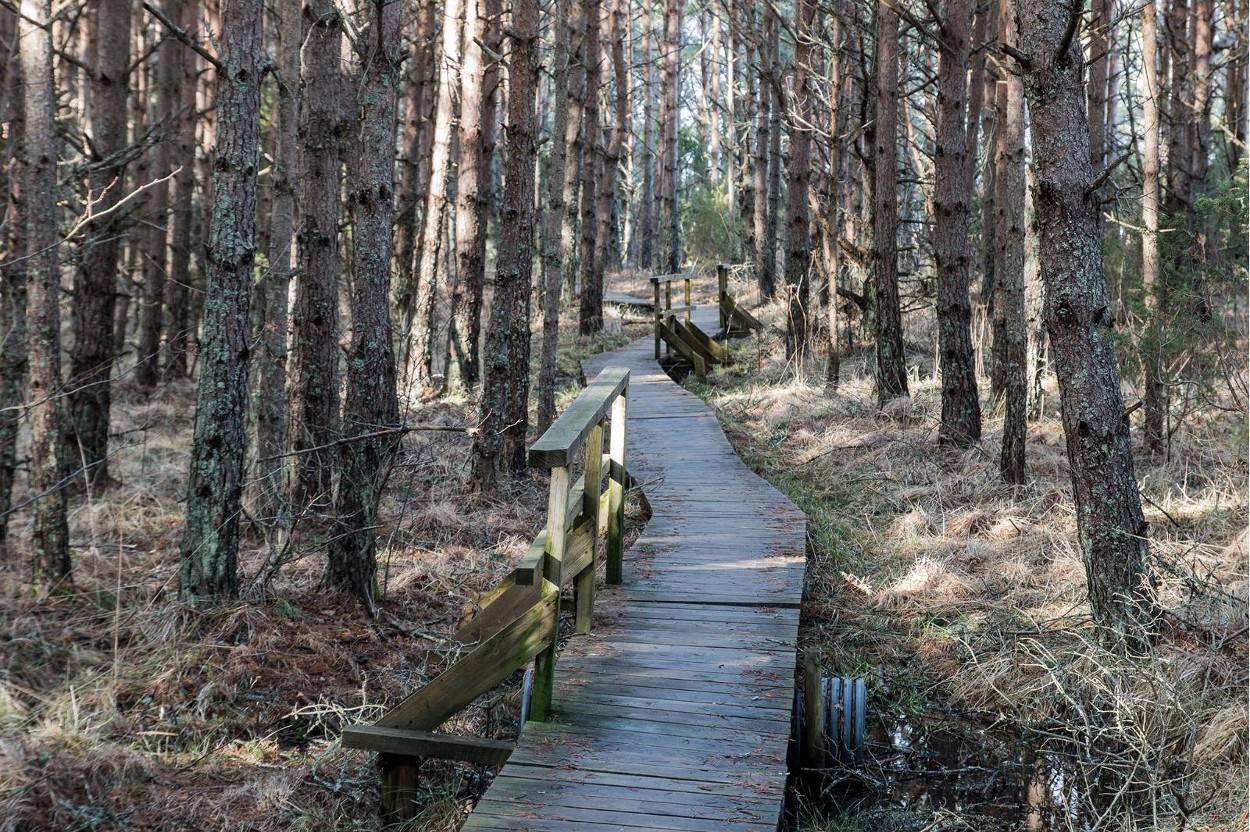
(575, 148)
(421, 319)
(1155, 400)
(646, 202)
(177, 354)
(210, 541)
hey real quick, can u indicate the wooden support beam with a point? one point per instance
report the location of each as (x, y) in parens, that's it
(616, 489)
(545, 660)
(487, 665)
(584, 587)
(405, 742)
(498, 608)
(400, 779)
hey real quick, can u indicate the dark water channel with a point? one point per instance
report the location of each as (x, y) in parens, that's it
(917, 768)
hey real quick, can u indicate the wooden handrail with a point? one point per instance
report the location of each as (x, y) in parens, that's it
(519, 618)
(664, 310)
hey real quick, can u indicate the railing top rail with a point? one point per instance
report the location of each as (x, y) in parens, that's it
(559, 445)
(668, 278)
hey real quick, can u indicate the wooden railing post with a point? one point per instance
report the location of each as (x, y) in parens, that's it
(400, 782)
(584, 583)
(687, 301)
(722, 291)
(659, 310)
(616, 489)
(545, 662)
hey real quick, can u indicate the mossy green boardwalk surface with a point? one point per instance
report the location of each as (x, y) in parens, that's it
(674, 713)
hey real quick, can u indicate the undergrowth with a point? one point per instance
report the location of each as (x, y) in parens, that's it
(957, 595)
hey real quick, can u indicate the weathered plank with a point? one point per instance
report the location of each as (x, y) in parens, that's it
(410, 743)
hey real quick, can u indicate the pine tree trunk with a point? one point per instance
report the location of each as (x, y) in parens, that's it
(418, 123)
(499, 447)
(177, 354)
(210, 542)
(554, 217)
(50, 538)
(1010, 263)
(422, 318)
(13, 291)
(772, 225)
(156, 233)
(891, 374)
(575, 148)
(268, 483)
(646, 204)
(590, 300)
(95, 292)
(1110, 525)
(1099, 64)
(670, 116)
(314, 383)
(952, 197)
(372, 408)
(1155, 401)
(472, 189)
(764, 265)
(798, 219)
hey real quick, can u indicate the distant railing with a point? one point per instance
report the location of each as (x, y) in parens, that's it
(694, 345)
(734, 319)
(518, 619)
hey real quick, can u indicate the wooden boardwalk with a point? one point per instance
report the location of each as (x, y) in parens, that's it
(674, 713)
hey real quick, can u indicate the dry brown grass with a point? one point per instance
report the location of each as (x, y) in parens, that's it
(953, 591)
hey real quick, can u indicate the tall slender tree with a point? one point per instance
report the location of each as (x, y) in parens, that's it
(798, 218)
(670, 116)
(95, 292)
(1110, 524)
(13, 291)
(371, 413)
(313, 386)
(590, 300)
(499, 446)
(421, 322)
(891, 366)
(1155, 399)
(50, 548)
(1009, 265)
(952, 199)
(210, 541)
(268, 400)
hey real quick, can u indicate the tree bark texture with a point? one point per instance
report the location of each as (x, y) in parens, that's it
(891, 376)
(371, 413)
(952, 197)
(1009, 301)
(13, 286)
(314, 382)
(553, 218)
(210, 541)
(421, 321)
(1155, 401)
(670, 116)
(95, 287)
(646, 201)
(1110, 525)
(798, 219)
(499, 447)
(267, 481)
(590, 299)
(50, 538)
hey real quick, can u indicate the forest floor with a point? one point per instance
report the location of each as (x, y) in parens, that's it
(958, 598)
(121, 709)
(961, 600)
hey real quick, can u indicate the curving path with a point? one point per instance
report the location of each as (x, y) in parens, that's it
(674, 713)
